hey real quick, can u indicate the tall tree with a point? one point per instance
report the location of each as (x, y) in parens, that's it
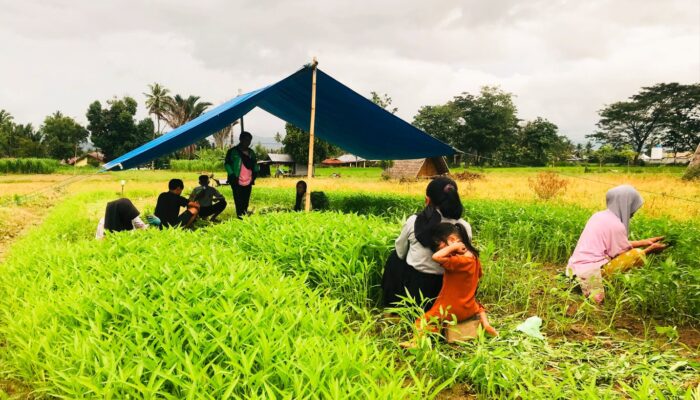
(225, 135)
(63, 135)
(19, 140)
(486, 122)
(540, 143)
(7, 145)
(158, 103)
(666, 112)
(680, 116)
(114, 130)
(439, 121)
(296, 144)
(183, 110)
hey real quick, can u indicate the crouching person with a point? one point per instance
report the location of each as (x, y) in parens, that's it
(169, 204)
(122, 215)
(211, 202)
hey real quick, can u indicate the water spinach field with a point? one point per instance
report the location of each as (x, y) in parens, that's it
(286, 305)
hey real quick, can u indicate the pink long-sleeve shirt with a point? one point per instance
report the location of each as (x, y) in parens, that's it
(603, 238)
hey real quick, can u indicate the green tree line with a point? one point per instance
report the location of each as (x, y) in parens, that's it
(484, 125)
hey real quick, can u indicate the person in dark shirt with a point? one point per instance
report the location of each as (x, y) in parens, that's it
(211, 202)
(169, 203)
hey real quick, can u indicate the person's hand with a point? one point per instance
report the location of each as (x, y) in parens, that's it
(459, 247)
(193, 204)
(655, 247)
(650, 241)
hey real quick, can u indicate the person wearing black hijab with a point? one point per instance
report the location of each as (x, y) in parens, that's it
(411, 267)
(122, 215)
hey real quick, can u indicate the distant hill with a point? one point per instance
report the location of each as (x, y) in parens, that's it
(268, 142)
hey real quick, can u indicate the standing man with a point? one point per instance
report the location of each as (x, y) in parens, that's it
(242, 168)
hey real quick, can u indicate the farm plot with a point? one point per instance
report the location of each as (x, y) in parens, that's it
(282, 305)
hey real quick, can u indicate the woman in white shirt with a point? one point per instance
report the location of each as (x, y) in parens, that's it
(411, 268)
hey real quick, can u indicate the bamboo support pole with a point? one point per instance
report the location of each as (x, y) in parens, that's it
(309, 172)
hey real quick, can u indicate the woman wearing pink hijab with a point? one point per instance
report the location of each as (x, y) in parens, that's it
(604, 248)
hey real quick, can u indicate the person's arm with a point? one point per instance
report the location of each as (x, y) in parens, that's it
(216, 195)
(645, 242)
(138, 223)
(443, 255)
(228, 162)
(401, 244)
(100, 233)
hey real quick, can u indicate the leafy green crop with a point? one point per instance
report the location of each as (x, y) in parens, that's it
(281, 305)
(28, 165)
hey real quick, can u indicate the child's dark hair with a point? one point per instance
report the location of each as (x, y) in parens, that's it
(445, 229)
(204, 180)
(176, 184)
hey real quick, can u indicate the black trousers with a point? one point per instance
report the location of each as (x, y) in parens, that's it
(399, 278)
(241, 198)
(215, 209)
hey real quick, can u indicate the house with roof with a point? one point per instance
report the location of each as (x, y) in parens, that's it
(94, 158)
(418, 168)
(275, 161)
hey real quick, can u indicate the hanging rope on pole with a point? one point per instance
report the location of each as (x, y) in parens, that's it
(309, 172)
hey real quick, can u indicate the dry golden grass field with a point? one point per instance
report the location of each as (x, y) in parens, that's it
(24, 199)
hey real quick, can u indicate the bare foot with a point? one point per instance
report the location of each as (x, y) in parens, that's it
(409, 344)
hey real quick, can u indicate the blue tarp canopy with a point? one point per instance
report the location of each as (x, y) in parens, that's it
(343, 117)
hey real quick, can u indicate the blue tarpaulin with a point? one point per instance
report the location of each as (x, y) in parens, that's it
(343, 117)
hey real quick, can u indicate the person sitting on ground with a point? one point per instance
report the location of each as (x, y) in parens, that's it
(604, 249)
(169, 203)
(457, 298)
(301, 196)
(410, 268)
(211, 202)
(122, 215)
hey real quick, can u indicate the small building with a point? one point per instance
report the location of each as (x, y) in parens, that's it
(94, 158)
(418, 168)
(346, 160)
(669, 157)
(269, 165)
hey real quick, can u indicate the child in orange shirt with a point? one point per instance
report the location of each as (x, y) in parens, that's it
(457, 298)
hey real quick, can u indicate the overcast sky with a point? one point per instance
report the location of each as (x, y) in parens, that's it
(563, 60)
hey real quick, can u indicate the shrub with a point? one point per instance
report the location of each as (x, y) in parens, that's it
(548, 185)
(319, 201)
(28, 165)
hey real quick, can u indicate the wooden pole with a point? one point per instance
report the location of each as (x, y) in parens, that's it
(309, 172)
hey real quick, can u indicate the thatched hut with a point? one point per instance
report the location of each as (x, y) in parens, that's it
(419, 168)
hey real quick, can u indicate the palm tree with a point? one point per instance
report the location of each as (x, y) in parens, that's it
(182, 110)
(158, 102)
(223, 135)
